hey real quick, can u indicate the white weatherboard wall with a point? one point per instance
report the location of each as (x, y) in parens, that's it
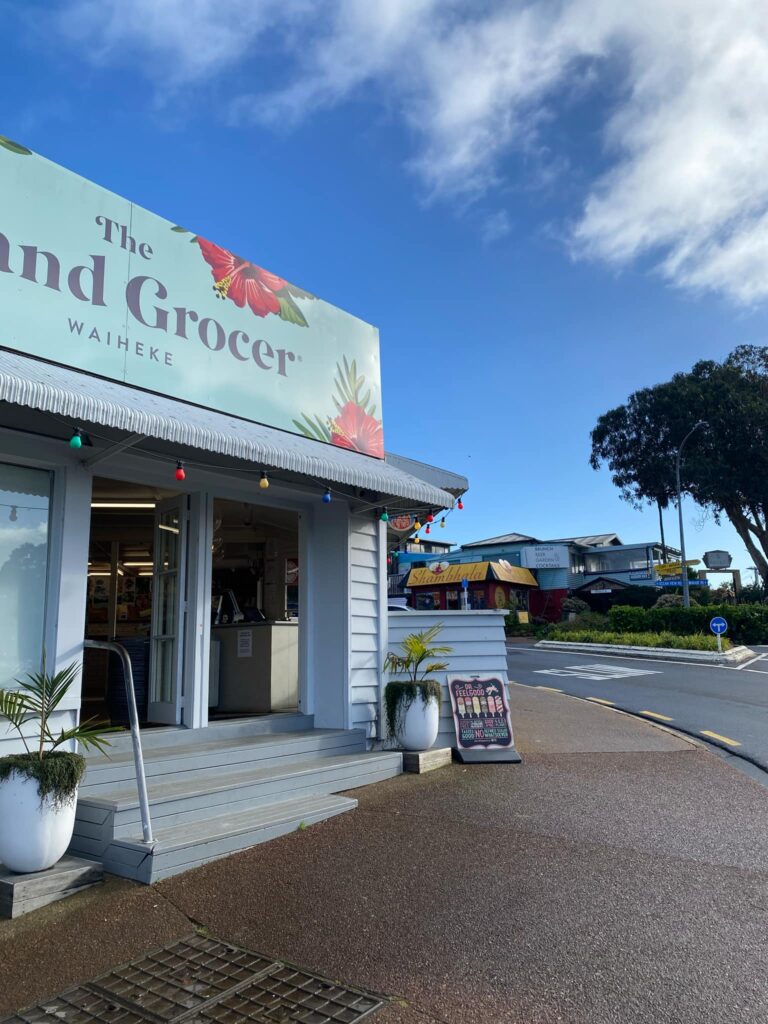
(366, 578)
(479, 648)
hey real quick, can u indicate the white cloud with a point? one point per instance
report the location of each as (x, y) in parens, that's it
(495, 227)
(685, 83)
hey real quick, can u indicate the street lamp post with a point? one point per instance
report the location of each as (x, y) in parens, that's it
(684, 568)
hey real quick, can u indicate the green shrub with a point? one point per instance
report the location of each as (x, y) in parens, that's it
(696, 642)
(747, 624)
(669, 601)
(575, 604)
(588, 620)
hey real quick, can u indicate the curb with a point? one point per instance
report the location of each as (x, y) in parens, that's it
(735, 656)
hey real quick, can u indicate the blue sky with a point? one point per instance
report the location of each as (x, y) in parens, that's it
(541, 207)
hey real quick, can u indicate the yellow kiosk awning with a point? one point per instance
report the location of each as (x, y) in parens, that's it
(443, 572)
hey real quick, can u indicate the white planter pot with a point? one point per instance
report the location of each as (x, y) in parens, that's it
(33, 835)
(418, 727)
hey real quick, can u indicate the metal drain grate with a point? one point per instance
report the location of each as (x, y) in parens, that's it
(204, 981)
(286, 996)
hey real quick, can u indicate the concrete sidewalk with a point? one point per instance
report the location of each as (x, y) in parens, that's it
(619, 875)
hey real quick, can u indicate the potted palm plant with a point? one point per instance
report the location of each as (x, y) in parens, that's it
(412, 703)
(38, 788)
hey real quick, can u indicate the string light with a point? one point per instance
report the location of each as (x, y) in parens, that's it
(327, 496)
(430, 518)
(442, 523)
(417, 525)
(416, 540)
(384, 517)
(460, 505)
(264, 482)
(427, 529)
(76, 441)
(14, 514)
(180, 473)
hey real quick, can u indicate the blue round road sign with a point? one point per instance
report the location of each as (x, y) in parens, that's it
(718, 625)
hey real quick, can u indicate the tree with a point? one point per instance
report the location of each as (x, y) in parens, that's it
(725, 463)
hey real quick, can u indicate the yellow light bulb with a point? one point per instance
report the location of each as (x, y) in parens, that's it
(264, 482)
(417, 525)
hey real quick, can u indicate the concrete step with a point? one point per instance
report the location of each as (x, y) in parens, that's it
(104, 773)
(180, 847)
(152, 737)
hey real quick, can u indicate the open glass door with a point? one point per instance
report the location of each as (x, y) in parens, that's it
(168, 608)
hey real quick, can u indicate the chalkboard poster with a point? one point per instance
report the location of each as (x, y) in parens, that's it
(481, 718)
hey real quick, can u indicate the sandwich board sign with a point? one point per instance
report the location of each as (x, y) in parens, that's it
(481, 718)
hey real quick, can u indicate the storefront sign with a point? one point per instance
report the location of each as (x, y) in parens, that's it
(545, 556)
(481, 718)
(402, 524)
(94, 282)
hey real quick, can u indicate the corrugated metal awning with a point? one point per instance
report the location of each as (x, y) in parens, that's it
(84, 399)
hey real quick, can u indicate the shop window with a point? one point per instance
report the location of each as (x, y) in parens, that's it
(428, 602)
(25, 496)
(477, 599)
(452, 600)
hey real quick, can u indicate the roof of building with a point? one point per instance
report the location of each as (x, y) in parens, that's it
(505, 538)
(594, 540)
(442, 572)
(442, 478)
(84, 399)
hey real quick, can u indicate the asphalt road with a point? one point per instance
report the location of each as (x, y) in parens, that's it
(725, 706)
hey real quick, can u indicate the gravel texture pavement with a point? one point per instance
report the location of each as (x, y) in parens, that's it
(618, 876)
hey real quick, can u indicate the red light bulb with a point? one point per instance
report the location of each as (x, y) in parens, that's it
(460, 505)
(427, 529)
(180, 474)
(430, 518)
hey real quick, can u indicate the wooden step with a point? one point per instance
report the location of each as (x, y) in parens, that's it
(261, 725)
(202, 795)
(104, 772)
(187, 845)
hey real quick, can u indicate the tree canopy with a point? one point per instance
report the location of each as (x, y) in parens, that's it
(725, 463)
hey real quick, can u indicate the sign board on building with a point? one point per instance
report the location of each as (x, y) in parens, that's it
(402, 524)
(95, 282)
(545, 556)
(481, 718)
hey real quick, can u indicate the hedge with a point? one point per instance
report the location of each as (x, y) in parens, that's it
(697, 642)
(747, 623)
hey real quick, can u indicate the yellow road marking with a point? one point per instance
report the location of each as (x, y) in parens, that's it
(717, 736)
(655, 714)
(554, 689)
(600, 700)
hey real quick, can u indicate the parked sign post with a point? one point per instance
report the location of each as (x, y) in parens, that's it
(465, 593)
(718, 625)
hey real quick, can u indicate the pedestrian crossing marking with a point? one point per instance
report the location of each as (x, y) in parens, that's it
(597, 672)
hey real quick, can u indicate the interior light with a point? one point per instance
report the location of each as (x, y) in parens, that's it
(135, 565)
(122, 504)
(170, 529)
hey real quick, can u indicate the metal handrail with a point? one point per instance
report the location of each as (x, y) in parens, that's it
(133, 716)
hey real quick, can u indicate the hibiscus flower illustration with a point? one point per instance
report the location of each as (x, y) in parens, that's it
(353, 428)
(247, 284)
